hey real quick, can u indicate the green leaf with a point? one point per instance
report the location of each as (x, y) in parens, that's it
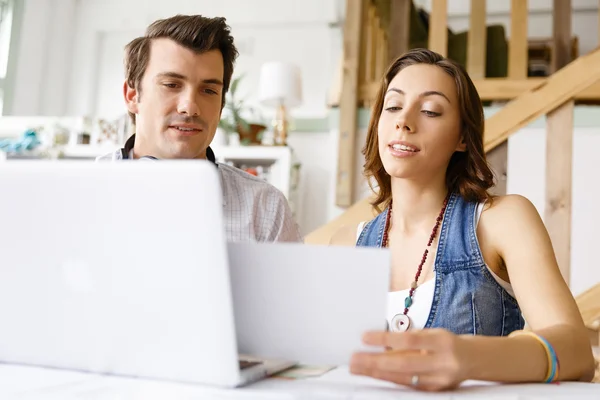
(227, 126)
(234, 84)
(243, 124)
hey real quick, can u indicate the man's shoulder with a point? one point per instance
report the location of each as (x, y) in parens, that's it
(271, 216)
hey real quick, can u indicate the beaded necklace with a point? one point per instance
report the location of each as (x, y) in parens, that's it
(401, 322)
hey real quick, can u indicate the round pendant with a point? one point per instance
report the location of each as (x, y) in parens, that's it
(400, 323)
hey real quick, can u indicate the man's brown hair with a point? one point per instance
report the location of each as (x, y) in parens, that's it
(468, 172)
(195, 32)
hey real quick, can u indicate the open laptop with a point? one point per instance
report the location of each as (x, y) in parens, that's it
(123, 269)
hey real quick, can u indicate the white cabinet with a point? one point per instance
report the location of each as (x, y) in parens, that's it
(274, 164)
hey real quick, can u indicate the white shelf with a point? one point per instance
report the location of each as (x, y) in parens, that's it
(87, 151)
(222, 153)
(278, 159)
(264, 153)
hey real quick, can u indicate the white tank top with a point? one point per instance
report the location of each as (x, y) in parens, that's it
(423, 296)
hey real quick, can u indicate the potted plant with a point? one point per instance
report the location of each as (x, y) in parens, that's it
(233, 122)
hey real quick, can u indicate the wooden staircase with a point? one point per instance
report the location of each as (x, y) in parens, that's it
(367, 44)
(589, 306)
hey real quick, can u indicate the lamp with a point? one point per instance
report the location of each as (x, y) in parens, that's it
(280, 86)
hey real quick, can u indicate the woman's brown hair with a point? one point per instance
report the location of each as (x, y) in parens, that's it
(468, 171)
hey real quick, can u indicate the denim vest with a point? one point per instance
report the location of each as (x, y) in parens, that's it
(467, 299)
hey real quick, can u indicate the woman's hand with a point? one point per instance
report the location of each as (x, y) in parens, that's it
(429, 359)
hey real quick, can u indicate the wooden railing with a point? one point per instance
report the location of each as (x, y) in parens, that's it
(376, 50)
(367, 43)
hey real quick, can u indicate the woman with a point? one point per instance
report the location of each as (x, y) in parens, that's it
(464, 263)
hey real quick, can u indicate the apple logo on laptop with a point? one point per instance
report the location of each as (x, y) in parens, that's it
(77, 276)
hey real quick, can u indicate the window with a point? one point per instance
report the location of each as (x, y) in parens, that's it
(6, 29)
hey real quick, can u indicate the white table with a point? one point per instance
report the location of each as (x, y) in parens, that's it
(26, 383)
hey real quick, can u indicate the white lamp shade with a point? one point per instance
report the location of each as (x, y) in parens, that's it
(280, 83)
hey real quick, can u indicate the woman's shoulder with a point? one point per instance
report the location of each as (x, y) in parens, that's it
(509, 213)
(510, 204)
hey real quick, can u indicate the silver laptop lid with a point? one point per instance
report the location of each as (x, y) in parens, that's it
(118, 268)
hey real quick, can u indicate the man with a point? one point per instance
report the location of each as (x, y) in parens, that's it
(177, 76)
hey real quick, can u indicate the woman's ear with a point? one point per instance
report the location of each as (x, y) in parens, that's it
(462, 145)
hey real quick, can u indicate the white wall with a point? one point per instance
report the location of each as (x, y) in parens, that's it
(71, 51)
(43, 57)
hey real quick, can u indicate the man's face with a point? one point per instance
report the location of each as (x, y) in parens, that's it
(178, 104)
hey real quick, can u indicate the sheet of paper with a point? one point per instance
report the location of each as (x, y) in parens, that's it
(309, 304)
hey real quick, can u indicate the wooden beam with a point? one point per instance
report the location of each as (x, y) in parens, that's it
(517, 47)
(335, 91)
(349, 102)
(363, 59)
(509, 89)
(477, 40)
(593, 335)
(561, 24)
(359, 211)
(588, 303)
(370, 45)
(501, 89)
(559, 149)
(399, 28)
(498, 160)
(506, 88)
(476, 57)
(517, 69)
(375, 32)
(558, 206)
(438, 27)
(382, 54)
(556, 90)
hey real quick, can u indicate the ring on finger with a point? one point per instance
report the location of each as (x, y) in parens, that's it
(415, 380)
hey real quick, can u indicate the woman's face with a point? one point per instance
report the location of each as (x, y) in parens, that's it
(420, 125)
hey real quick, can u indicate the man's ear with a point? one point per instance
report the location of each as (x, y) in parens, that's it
(131, 96)
(462, 145)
